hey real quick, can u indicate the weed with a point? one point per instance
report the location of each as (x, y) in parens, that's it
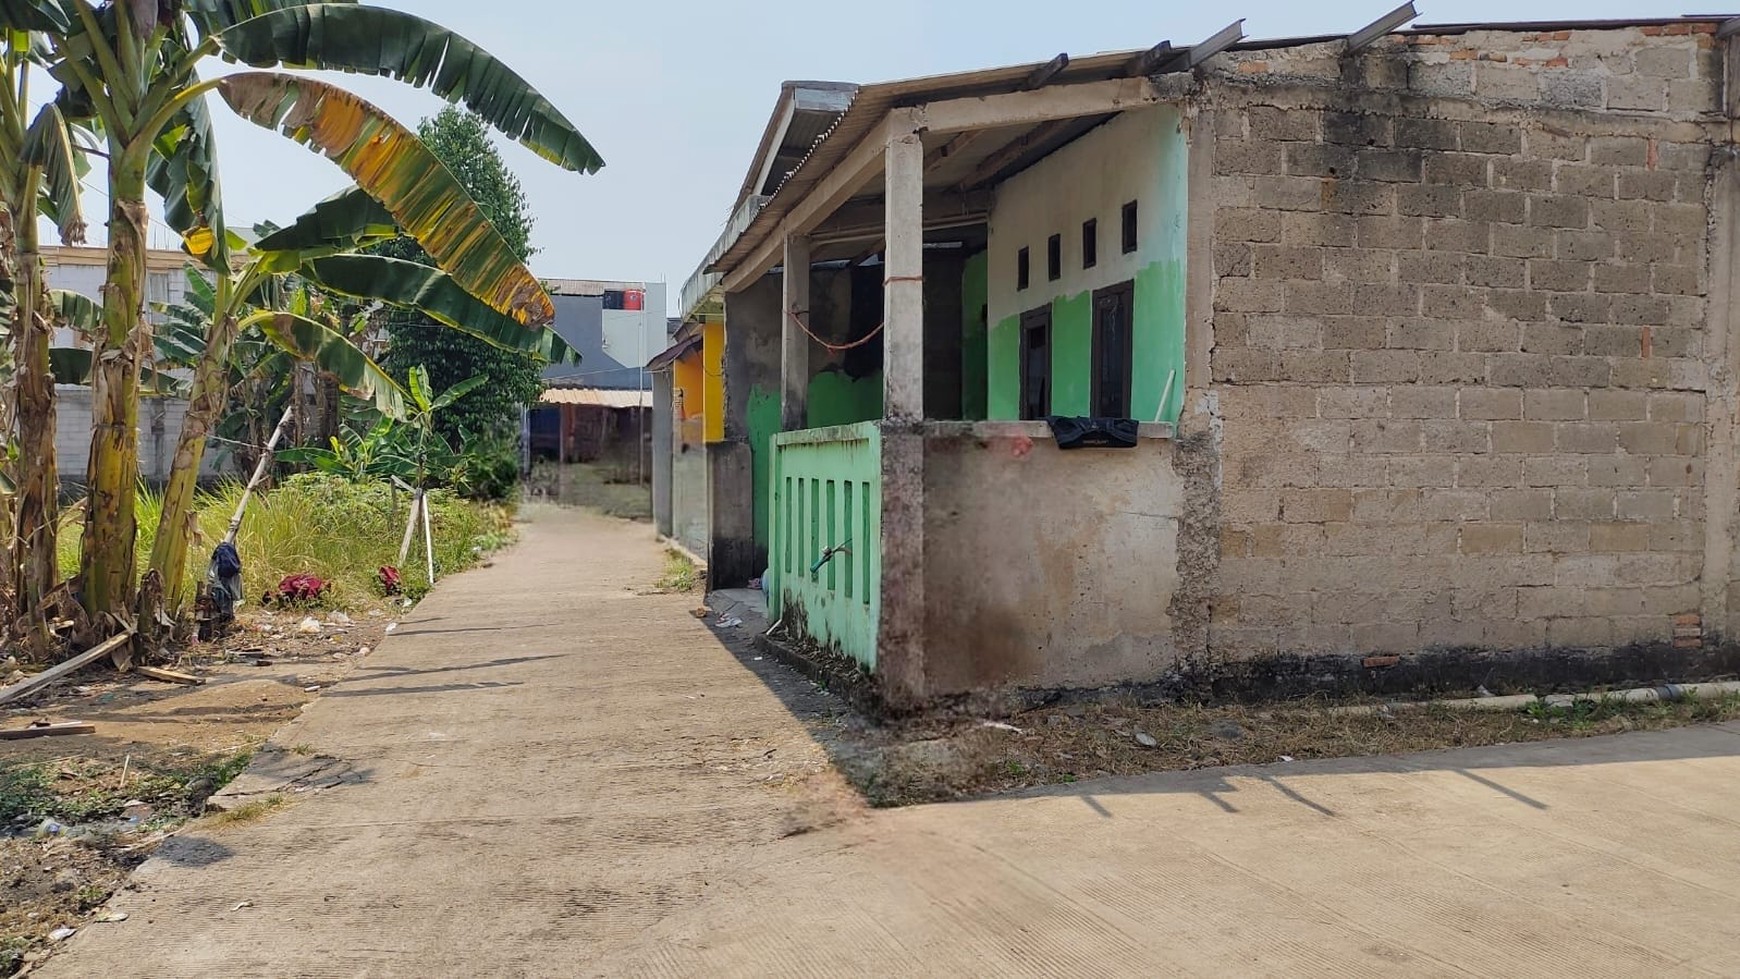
(302, 749)
(681, 574)
(91, 896)
(249, 812)
(313, 523)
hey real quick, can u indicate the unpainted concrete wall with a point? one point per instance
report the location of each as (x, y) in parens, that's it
(1045, 567)
(1460, 352)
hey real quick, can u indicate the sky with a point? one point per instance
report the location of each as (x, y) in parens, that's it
(675, 95)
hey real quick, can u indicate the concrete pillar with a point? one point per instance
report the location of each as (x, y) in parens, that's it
(903, 287)
(900, 648)
(794, 365)
(1722, 405)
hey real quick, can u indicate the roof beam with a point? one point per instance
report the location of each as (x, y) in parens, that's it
(1032, 108)
(1728, 28)
(1368, 35)
(1148, 62)
(1196, 54)
(858, 222)
(861, 165)
(996, 162)
(951, 149)
(1043, 74)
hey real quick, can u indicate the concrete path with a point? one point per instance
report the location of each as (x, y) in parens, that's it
(549, 773)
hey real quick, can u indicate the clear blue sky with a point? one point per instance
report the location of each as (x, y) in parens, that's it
(675, 93)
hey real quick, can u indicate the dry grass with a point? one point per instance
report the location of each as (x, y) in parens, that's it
(933, 760)
(322, 525)
(250, 812)
(681, 574)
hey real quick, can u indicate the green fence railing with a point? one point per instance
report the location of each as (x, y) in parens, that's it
(825, 553)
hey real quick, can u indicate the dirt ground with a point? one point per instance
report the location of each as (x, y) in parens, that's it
(938, 759)
(77, 814)
(606, 488)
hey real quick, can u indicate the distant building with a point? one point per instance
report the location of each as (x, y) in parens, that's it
(83, 270)
(599, 408)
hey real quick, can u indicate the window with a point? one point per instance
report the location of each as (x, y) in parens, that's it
(1113, 336)
(1036, 363)
(1021, 269)
(1090, 243)
(1054, 257)
(1129, 227)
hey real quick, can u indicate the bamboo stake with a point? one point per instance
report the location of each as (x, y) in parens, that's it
(428, 541)
(259, 473)
(410, 528)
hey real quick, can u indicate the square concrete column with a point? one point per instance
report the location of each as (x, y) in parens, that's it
(903, 287)
(900, 648)
(794, 365)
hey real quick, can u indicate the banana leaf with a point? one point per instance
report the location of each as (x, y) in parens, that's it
(381, 41)
(394, 167)
(330, 351)
(429, 290)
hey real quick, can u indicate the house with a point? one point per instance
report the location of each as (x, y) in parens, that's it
(1427, 336)
(600, 408)
(83, 270)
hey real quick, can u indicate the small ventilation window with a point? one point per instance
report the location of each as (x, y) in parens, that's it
(1022, 269)
(1129, 227)
(1054, 258)
(1090, 243)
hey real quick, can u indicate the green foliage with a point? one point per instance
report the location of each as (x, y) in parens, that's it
(327, 526)
(513, 380)
(30, 793)
(681, 574)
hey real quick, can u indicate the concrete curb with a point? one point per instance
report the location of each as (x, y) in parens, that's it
(1636, 695)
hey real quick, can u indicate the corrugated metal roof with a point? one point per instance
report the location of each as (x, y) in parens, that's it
(873, 102)
(597, 397)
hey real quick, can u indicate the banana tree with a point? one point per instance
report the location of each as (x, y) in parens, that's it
(45, 181)
(134, 68)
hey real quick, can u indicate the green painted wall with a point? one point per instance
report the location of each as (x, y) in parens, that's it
(835, 399)
(1142, 155)
(975, 289)
(1158, 345)
(1072, 347)
(763, 426)
(1003, 359)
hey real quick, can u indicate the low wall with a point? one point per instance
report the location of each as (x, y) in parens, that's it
(1045, 567)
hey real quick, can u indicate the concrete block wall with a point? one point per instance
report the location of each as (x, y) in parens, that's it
(1460, 340)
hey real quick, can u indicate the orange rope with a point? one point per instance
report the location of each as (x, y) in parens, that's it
(838, 348)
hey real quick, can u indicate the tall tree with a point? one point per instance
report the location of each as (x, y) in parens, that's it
(512, 378)
(133, 67)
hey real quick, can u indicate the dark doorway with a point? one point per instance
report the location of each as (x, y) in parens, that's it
(1114, 308)
(1036, 363)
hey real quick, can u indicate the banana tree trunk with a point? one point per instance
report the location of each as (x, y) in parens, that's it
(38, 481)
(210, 393)
(111, 524)
(12, 466)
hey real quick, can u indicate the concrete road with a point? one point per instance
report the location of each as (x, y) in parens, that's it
(549, 772)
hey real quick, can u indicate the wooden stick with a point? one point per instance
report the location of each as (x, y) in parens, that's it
(169, 676)
(428, 541)
(259, 472)
(26, 687)
(410, 528)
(47, 731)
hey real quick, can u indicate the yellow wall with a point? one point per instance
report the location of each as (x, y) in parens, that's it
(688, 397)
(713, 362)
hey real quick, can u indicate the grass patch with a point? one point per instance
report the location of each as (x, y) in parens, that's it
(312, 523)
(681, 573)
(935, 759)
(250, 812)
(75, 792)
